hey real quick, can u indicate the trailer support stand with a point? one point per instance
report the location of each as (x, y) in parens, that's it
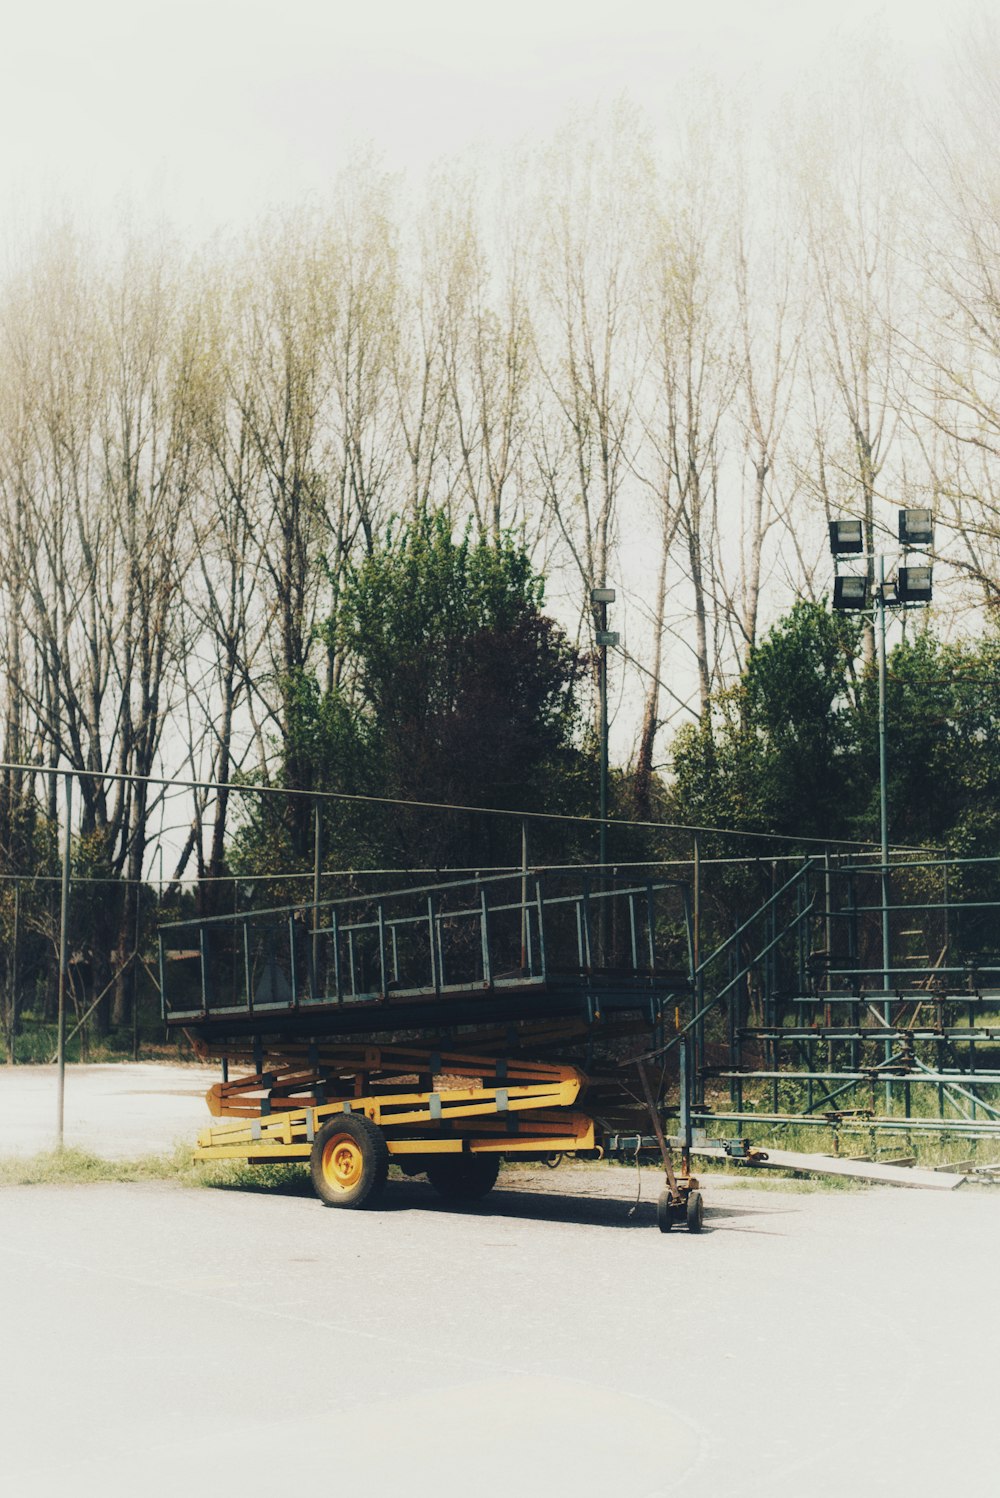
(658, 1131)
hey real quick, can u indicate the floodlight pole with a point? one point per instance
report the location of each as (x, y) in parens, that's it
(883, 787)
(916, 530)
(63, 964)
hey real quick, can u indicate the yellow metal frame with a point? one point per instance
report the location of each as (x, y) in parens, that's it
(291, 1078)
(532, 1111)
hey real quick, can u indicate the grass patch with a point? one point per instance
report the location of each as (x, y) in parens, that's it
(71, 1167)
(35, 1045)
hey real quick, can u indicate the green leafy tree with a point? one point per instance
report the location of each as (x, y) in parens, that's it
(459, 689)
(779, 752)
(793, 747)
(943, 715)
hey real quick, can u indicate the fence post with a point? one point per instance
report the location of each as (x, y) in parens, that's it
(698, 1058)
(14, 973)
(317, 871)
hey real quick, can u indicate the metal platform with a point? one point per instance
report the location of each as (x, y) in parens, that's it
(534, 945)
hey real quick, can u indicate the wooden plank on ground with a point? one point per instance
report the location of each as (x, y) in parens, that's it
(857, 1170)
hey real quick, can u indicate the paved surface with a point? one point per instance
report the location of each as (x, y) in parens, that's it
(116, 1111)
(165, 1341)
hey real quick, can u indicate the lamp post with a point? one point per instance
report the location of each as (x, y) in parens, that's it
(601, 597)
(911, 587)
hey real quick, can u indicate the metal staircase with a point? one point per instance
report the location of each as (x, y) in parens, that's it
(829, 1004)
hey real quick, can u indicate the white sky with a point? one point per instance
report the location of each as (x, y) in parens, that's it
(206, 111)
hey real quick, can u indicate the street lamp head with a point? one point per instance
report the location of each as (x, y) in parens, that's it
(846, 538)
(913, 584)
(850, 592)
(602, 595)
(916, 527)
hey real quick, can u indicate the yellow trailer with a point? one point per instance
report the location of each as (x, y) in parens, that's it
(452, 1116)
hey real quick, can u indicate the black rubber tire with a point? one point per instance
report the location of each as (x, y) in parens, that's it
(664, 1211)
(695, 1214)
(366, 1143)
(463, 1177)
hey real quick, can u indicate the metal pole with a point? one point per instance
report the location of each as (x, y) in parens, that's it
(602, 597)
(684, 1065)
(603, 854)
(524, 896)
(696, 897)
(63, 918)
(604, 740)
(14, 973)
(698, 1055)
(317, 870)
(135, 975)
(883, 808)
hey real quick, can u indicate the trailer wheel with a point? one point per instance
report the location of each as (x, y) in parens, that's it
(664, 1211)
(349, 1162)
(695, 1212)
(463, 1177)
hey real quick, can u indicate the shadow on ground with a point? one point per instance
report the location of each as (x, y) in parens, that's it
(582, 1208)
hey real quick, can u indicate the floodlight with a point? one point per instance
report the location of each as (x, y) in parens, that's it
(916, 527)
(913, 584)
(850, 592)
(602, 595)
(608, 637)
(846, 538)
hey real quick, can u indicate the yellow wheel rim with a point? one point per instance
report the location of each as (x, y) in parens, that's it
(342, 1162)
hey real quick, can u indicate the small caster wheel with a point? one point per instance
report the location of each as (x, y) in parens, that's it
(664, 1212)
(695, 1213)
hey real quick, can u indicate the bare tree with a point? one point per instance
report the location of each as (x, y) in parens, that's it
(768, 280)
(593, 187)
(954, 410)
(424, 409)
(279, 384)
(688, 317)
(106, 478)
(487, 347)
(356, 304)
(854, 182)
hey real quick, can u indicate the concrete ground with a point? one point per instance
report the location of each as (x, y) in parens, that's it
(118, 1111)
(163, 1341)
